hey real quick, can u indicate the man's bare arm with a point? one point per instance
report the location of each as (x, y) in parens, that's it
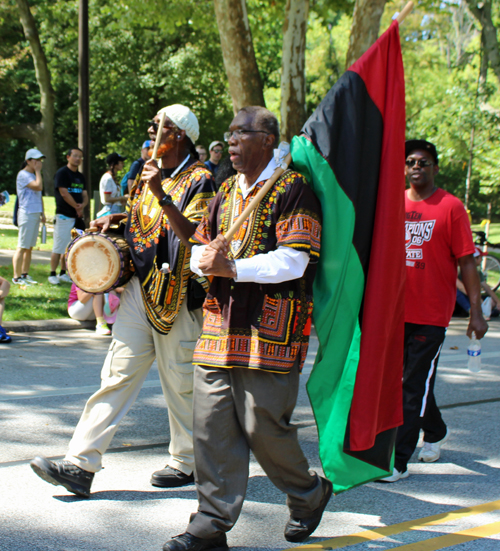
(470, 279)
(104, 222)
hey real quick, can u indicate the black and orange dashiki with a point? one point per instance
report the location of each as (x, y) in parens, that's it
(253, 325)
(152, 241)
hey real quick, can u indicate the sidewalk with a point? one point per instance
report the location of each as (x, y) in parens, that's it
(63, 324)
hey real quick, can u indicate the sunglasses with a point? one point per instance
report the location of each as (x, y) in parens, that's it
(422, 163)
(156, 125)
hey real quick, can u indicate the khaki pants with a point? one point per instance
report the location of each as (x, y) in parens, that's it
(238, 410)
(134, 347)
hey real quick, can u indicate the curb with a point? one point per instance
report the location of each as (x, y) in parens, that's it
(46, 325)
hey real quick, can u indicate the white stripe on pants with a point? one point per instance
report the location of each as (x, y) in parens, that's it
(132, 351)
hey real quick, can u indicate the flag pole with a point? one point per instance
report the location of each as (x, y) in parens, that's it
(405, 11)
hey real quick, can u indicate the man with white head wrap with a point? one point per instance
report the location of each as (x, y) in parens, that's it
(160, 312)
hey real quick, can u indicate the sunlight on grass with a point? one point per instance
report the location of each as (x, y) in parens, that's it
(8, 240)
(37, 302)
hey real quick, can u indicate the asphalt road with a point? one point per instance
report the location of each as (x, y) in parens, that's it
(47, 377)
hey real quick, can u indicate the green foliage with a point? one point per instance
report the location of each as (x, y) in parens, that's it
(325, 54)
(144, 57)
(141, 60)
(441, 52)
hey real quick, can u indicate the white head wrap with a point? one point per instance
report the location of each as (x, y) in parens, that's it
(184, 118)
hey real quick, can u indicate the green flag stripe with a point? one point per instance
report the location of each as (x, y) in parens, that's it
(338, 288)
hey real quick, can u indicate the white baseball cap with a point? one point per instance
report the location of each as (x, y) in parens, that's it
(213, 144)
(33, 154)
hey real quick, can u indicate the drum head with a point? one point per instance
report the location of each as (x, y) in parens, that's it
(94, 263)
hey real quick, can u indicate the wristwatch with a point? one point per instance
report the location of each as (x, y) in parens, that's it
(166, 201)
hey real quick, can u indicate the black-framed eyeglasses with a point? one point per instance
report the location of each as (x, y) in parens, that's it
(422, 163)
(238, 133)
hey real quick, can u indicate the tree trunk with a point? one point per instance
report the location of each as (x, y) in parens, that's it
(489, 42)
(293, 78)
(242, 72)
(365, 28)
(40, 134)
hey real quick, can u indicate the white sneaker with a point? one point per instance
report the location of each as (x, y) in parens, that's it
(64, 278)
(431, 452)
(20, 281)
(54, 280)
(396, 475)
(102, 329)
(29, 279)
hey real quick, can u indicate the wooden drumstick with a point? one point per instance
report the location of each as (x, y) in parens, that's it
(159, 133)
(257, 199)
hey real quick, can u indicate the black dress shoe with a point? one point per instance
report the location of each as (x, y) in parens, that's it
(299, 529)
(188, 542)
(171, 478)
(64, 473)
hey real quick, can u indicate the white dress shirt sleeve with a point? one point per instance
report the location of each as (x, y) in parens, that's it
(283, 264)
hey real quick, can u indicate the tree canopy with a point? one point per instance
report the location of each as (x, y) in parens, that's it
(143, 58)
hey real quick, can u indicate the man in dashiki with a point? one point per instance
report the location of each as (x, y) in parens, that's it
(160, 314)
(257, 318)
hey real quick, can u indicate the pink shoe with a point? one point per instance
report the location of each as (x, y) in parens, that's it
(111, 307)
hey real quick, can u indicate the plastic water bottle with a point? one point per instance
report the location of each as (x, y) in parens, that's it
(474, 353)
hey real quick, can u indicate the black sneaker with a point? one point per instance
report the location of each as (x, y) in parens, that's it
(171, 478)
(299, 529)
(64, 473)
(188, 542)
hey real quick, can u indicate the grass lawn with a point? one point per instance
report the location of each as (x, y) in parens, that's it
(35, 302)
(8, 240)
(49, 204)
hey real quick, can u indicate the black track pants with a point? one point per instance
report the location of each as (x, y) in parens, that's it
(421, 354)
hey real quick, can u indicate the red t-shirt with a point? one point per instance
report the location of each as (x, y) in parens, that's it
(437, 234)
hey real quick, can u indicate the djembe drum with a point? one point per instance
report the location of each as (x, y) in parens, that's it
(99, 262)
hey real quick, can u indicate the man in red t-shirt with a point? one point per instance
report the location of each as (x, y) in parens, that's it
(438, 238)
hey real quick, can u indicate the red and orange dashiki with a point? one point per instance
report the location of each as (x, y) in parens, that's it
(254, 325)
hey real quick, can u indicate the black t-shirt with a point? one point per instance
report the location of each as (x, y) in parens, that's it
(74, 182)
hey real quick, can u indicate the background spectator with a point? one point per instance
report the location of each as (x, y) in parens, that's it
(136, 167)
(109, 191)
(202, 153)
(215, 150)
(84, 306)
(490, 305)
(71, 198)
(29, 187)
